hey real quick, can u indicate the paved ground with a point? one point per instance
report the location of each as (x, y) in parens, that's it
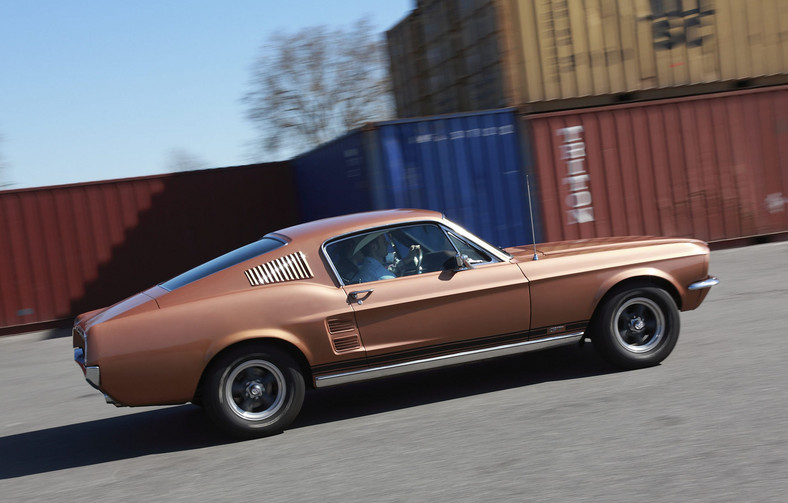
(709, 424)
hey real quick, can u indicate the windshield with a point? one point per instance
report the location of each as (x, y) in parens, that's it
(230, 259)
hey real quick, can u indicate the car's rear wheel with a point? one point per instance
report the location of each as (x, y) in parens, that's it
(253, 391)
(636, 328)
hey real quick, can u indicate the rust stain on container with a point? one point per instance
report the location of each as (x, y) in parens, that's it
(712, 167)
(72, 248)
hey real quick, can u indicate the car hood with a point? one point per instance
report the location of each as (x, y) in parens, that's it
(584, 246)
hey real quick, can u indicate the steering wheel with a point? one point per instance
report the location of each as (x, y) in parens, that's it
(413, 265)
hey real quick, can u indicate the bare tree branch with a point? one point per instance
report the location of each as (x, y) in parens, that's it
(3, 183)
(313, 85)
(179, 159)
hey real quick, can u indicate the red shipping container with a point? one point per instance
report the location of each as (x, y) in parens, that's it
(73, 248)
(712, 167)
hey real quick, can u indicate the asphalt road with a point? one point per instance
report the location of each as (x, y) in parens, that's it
(709, 424)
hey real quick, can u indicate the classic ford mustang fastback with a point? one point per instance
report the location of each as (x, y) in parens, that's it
(376, 294)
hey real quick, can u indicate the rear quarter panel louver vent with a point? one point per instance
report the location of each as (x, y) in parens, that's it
(288, 268)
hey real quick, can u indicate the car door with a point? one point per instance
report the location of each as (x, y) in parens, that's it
(438, 310)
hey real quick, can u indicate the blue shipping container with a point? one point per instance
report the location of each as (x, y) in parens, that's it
(469, 166)
(333, 179)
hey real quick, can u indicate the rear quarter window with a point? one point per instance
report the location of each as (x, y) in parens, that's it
(229, 259)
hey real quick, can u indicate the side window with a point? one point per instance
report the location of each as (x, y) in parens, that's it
(475, 254)
(345, 262)
(390, 253)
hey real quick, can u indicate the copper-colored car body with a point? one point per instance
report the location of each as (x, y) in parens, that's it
(295, 303)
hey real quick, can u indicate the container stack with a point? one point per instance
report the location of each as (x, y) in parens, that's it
(661, 117)
(563, 54)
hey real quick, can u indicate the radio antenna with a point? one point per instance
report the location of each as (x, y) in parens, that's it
(531, 214)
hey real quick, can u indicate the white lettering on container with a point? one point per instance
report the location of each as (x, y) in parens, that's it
(775, 203)
(463, 133)
(573, 152)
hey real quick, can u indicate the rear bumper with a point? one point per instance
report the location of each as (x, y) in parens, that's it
(92, 373)
(93, 376)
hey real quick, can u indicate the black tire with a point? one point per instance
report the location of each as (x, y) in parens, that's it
(636, 328)
(253, 391)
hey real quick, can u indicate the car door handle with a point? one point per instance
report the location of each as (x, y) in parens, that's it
(354, 295)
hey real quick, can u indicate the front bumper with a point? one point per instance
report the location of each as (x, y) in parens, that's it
(706, 283)
(697, 292)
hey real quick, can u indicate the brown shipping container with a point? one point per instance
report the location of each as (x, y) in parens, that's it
(562, 49)
(407, 60)
(712, 167)
(561, 54)
(72, 248)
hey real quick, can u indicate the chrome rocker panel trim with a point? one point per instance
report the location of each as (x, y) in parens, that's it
(445, 360)
(706, 283)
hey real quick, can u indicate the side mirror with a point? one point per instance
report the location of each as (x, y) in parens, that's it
(458, 263)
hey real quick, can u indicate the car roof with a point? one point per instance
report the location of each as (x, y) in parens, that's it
(334, 226)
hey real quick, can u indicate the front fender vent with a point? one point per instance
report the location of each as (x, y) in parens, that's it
(288, 268)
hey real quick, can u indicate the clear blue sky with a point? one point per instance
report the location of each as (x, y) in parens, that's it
(100, 89)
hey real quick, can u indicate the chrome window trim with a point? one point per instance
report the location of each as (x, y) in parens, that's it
(444, 225)
(467, 235)
(277, 237)
(453, 235)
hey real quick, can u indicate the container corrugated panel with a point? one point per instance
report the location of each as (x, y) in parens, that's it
(572, 48)
(471, 167)
(407, 59)
(712, 167)
(333, 179)
(559, 53)
(438, 16)
(468, 166)
(753, 37)
(461, 69)
(73, 248)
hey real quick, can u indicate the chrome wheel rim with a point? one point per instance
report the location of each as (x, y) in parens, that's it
(255, 390)
(639, 325)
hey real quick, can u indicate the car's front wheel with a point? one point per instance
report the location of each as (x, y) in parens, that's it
(253, 391)
(636, 328)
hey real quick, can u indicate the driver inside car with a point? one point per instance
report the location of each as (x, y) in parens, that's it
(374, 267)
